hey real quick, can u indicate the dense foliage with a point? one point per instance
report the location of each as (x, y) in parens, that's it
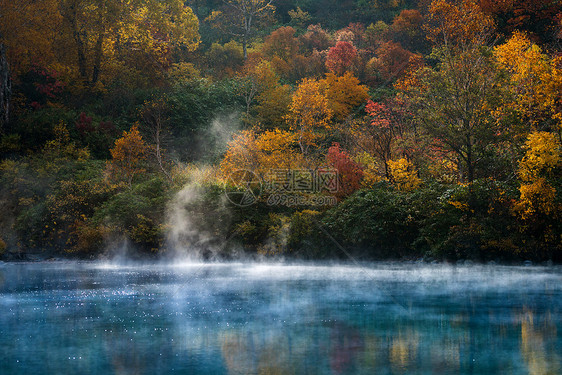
(398, 129)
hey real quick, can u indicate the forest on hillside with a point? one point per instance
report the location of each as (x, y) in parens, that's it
(374, 128)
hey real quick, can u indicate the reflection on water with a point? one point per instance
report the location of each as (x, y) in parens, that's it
(279, 319)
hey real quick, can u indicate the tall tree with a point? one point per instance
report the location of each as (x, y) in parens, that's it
(309, 112)
(240, 18)
(454, 101)
(104, 29)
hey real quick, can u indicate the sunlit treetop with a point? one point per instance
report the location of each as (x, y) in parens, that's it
(457, 23)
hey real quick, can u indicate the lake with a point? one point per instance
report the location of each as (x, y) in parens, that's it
(268, 318)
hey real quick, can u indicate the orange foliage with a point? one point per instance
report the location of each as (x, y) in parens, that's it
(460, 22)
(261, 152)
(391, 62)
(128, 155)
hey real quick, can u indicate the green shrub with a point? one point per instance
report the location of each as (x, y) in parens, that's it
(376, 222)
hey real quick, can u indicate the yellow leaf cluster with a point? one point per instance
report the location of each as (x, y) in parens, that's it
(542, 156)
(60, 146)
(344, 93)
(404, 174)
(536, 198)
(536, 78)
(261, 152)
(309, 108)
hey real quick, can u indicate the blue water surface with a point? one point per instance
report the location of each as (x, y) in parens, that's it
(260, 318)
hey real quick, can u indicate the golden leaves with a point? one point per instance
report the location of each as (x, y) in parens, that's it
(535, 77)
(542, 156)
(261, 152)
(128, 153)
(458, 23)
(538, 196)
(404, 174)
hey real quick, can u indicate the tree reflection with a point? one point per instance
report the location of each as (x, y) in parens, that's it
(345, 343)
(537, 349)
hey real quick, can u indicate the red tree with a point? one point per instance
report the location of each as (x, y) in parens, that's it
(341, 57)
(350, 173)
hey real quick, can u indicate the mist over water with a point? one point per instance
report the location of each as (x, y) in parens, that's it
(194, 317)
(189, 236)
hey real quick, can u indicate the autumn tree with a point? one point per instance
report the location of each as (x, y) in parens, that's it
(390, 63)
(240, 18)
(344, 93)
(458, 24)
(535, 80)
(103, 29)
(281, 48)
(28, 30)
(128, 156)
(257, 80)
(407, 29)
(309, 112)
(261, 152)
(341, 57)
(384, 132)
(454, 104)
(315, 38)
(454, 101)
(225, 59)
(281, 43)
(350, 173)
(540, 171)
(404, 174)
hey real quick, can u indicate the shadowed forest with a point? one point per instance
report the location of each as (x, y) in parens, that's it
(382, 129)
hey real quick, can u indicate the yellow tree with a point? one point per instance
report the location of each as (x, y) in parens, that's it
(261, 86)
(344, 93)
(542, 158)
(535, 78)
(128, 156)
(99, 30)
(404, 174)
(309, 112)
(261, 152)
(240, 18)
(458, 23)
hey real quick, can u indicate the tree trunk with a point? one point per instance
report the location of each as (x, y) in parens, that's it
(97, 58)
(5, 89)
(245, 47)
(72, 17)
(469, 161)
